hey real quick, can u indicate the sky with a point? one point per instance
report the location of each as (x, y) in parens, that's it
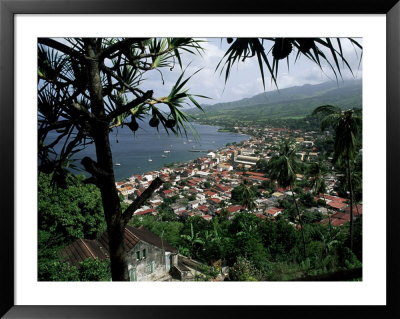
(245, 79)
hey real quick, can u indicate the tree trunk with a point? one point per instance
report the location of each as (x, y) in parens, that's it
(301, 224)
(105, 178)
(351, 204)
(329, 215)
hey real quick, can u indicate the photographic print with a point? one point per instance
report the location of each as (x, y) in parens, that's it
(200, 159)
(198, 165)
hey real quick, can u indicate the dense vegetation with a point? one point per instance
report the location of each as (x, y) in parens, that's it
(263, 249)
(254, 248)
(63, 216)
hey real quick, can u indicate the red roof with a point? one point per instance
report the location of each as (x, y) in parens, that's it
(261, 216)
(335, 198)
(273, 211)
(259, 178)
(360, 210)
(181, 212)
(255, 173)
(233, 209)
(222, 187)
(215, 200)
(209, 193)
(337, 205)
(337, 219)
(144, 212)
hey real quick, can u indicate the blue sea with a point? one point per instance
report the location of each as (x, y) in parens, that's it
(134, 151)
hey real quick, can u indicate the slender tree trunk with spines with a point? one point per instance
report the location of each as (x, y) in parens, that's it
(301, 224)
(351, 204)
(329, 215)
(105, 176)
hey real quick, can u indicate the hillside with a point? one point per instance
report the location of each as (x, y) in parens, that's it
(293, 102)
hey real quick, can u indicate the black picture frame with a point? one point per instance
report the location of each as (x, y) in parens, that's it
(8, 9)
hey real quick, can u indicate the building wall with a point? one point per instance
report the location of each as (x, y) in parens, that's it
(149, 268)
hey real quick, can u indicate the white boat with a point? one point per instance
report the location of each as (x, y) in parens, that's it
(117, 164)
(163, 155)
(167, 151)
(150, 160)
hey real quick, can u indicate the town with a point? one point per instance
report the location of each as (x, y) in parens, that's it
(211, 187)
(203, 187)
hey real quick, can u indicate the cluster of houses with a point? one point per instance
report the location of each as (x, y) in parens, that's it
(203, 187)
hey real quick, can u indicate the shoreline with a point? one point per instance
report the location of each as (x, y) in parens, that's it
(186, 162)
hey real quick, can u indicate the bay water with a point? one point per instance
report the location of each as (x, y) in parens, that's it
(147, 150)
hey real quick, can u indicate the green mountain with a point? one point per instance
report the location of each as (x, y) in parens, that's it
(293, 102)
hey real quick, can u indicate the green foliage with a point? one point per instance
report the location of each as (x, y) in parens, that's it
(89, 270)
(94, 270)
(307, 199)
(74, 212)
(244, 270)
(245, 195)
(170, 231)
(166, 214)
(167, 185)
(262, 165)
(207, 184)
(284, 166)
(257, 249)
(207, 273)
(347, 127)
(311, 217)
(57, 271)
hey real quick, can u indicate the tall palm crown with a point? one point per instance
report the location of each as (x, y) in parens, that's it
(347, 126)
(284, 165)
(248, 196)
(317, 178)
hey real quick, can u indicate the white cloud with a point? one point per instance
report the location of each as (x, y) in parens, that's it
(245, 78)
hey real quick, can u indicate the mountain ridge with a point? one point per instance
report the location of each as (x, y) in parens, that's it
(289, 102)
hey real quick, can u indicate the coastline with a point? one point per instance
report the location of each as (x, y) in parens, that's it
(240, 137)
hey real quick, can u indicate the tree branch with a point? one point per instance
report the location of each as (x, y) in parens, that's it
(61, 47)
(84, 111)
(130, 105)
(118, 78)
(118, 46)
(92, 168)
(140, 200)
(150, 55)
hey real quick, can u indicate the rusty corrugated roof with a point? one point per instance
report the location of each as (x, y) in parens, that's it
(82, 249)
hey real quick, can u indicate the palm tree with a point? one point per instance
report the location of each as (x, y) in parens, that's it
(283, 167)
(247, 195)
(347, 127)
(317, 173)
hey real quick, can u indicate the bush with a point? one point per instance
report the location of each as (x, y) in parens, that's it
(244, 270)
(94, 270)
